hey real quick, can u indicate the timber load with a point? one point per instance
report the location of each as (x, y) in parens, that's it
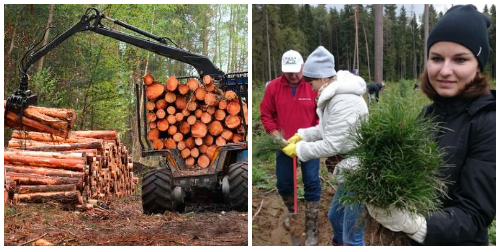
(84, 166)
(194, 117)
(55, 121)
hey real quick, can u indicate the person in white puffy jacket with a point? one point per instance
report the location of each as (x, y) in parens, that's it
(340, 108)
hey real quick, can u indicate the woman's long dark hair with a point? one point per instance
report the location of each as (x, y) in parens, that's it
(478, 87)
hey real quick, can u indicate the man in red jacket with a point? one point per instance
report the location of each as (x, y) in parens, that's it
(289, 104)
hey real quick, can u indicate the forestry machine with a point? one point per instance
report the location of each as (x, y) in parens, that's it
(167, 187)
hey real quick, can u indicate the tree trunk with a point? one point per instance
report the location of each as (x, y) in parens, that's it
(379, 42)
(46, 35)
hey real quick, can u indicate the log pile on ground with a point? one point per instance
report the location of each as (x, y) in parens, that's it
(194, 117)
(55, 121)
(84, 166)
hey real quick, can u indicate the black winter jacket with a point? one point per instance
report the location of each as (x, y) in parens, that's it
(470, 146)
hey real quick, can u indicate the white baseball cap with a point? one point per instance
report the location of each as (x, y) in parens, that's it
(291, 62)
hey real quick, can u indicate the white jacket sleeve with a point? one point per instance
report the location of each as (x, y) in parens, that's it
(340, 116)
(310, 134)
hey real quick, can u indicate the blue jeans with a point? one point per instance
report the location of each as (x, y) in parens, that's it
(310, 176)
(347, 221)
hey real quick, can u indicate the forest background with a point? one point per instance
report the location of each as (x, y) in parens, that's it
(349, 34)
(96, 75)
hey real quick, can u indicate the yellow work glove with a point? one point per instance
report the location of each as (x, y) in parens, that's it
(290, 150)
(294, 139)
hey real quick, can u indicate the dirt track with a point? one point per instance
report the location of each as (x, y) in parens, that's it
(123, 223)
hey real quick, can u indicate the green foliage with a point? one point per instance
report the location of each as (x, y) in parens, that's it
(492, 232)
(303, 27)
(261, 177)
(400, 161)
(95, 74)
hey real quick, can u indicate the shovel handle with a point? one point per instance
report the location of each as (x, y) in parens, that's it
(295, 184)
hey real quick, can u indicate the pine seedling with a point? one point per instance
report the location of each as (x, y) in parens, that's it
(264, 143)
(399, 159)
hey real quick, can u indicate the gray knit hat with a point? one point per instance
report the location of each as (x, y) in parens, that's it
(319, 64)
(464, 25)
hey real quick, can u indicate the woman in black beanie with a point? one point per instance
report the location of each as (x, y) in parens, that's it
(464, 104)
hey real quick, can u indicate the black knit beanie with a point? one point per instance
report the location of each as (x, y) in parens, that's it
(464, 25)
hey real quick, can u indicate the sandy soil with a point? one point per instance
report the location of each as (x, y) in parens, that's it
(267, 226)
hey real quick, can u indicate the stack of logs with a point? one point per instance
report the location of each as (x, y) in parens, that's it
(85, 165)
(56, 121)
(193, 117)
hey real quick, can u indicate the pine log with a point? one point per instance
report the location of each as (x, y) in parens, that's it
(181, 102)
(46, 137)
(158, 144)
(35, 179)
(162, 125)
(193, 84)
(195, 152)
(199, 129)
(172, 130)
(26, 189)
(184, 127)
(148, 79)
(171, 110)
(170, 97)
(220, 115)
(151, 117)
(183, 89)
(170, 143)
(190, 143)
(220, 141)
(161, 104)
(55, 155)
(31, 124)
(70, 197)
(230, 95)
(160, 113)
(66, 147)
(150, 105)
(215, 128)
(232, 121)
(208, 140)
(179, 117)
(207, 79)
(153, 134)
(154, 90)
(200, 94)
(190, 161)
(205, 118)
(68, 164)
(43, 171)
(203, 161)
(211, 150)
(171, 83)
(233, 108)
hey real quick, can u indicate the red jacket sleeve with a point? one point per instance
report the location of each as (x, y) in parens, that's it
(268, 110)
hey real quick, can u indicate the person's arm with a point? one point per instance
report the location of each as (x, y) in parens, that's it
(476, 193)
(268, 112)
(335, 133)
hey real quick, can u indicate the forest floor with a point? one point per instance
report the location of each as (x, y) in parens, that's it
(267, 225)
(124, 224)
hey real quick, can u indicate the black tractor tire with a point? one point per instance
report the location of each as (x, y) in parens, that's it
(238, 186)
(157, 190)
